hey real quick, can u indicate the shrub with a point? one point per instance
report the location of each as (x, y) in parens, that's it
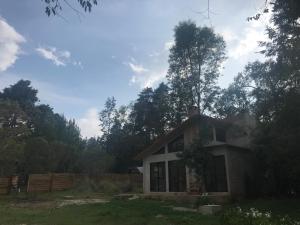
(237, 216)
(106, 186)
(202, 200)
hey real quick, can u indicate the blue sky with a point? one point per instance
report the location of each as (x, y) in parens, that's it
(119, 48)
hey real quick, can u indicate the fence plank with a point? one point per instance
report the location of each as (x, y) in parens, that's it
(64, 181)
(5, 183)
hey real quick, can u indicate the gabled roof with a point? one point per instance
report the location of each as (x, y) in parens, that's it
(159, 142)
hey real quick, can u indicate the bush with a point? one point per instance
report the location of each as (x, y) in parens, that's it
(202, 200)
(105, 186)
(237, 216)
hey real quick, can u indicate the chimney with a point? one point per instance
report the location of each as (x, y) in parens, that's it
(193, 111)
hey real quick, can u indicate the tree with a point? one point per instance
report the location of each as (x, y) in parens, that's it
(194, 64)
(33, 136)
(197, 157)
(96, 160)
(107, 116)
(22, 93)
(162, 109)
(13, 131)
(143, 114)
(53, 7)
(12, 120)
(37, 156)
(276, 100)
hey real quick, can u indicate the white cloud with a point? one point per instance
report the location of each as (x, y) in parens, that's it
(156, 69)
(137, 68)
(149, 78)
(168, 45)
(89, 124)
(143, 76)
(229, 36)
(247, 41)
(59, 58)
(10, 41)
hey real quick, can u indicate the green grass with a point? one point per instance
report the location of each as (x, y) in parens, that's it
(40, 210)
(134, 212)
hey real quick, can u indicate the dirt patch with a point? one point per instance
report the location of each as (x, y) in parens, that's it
(34, 205)
(184, 209)
(56, 204)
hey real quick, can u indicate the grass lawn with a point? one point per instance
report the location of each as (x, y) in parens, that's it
(116, 212)
(42, 210)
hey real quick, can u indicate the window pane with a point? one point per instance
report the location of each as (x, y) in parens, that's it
(158, 177)
(177, 176)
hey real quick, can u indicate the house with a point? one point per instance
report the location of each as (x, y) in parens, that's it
(229, 143)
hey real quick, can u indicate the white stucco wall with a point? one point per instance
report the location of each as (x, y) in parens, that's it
(236, 162)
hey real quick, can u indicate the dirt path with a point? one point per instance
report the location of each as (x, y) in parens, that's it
(57, 203)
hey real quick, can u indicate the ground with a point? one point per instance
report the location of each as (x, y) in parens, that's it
(61, 209)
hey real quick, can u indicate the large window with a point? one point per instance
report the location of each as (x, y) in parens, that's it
(176, 145)
(158, 177)
(177, 176)
(216, 179)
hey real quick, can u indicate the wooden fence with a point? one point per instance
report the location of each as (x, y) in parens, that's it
(64, 181)
(50, 182)
(5, 184)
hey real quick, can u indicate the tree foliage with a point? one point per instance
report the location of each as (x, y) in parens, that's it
(272, 89)
(53, 7)
(195, 62)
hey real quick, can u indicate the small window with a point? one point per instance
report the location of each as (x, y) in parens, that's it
(160, 151)
(176, 145)
(220, 135)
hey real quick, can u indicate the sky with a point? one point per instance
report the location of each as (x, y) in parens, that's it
(122, 46)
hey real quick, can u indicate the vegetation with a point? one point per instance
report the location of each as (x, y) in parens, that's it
(127, 212)
(53, 7)
(270, 91)
(43, 209)
(237, 216)
(35, 139)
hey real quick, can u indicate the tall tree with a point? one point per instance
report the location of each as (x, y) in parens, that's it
(235, 99)
(162, 109)
(143, 114)
(21, 92)
(107, 116)
(276, 100)
(194, 65)
(13, 132)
